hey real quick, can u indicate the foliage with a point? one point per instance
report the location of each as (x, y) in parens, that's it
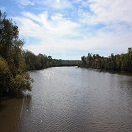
(40, 61)
(12, 63)
(36, 62)
(121, 62)
(4, 76)
(20, 82)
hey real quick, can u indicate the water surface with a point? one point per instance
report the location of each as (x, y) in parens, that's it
(71, 99)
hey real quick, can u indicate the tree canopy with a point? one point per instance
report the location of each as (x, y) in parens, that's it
(122, 62)
(13, 77)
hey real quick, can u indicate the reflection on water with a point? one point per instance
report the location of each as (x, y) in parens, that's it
(70, 99)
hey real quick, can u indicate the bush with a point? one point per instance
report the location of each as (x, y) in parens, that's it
(10, 84)
(21, 82)
(4, 76)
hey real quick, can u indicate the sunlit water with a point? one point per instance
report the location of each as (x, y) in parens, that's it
(71, 99)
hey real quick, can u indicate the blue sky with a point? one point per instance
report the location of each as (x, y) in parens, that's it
(69, 29)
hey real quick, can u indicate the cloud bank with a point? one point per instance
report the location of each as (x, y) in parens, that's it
(65, 28)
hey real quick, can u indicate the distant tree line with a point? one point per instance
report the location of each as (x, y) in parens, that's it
(40, 61)
(119, 62)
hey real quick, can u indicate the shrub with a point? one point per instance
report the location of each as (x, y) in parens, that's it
(4, 76)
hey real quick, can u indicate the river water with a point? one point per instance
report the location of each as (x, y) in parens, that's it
(71, 99)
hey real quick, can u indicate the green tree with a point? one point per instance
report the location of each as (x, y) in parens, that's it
(5, 76)
(83, 64)
(130, 59)
(30, 59)
(12, 63)
(122, 62)
(9, 35)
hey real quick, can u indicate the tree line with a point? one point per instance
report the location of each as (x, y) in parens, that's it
(41, 61)
(119, 62)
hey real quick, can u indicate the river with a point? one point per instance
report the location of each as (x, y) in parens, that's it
(71, 99)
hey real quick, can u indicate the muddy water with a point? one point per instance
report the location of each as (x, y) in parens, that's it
(70, 99)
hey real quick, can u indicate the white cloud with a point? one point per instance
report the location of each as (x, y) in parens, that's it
(58, 1)
(54, 4)
(40, 25)
(52, 33)
(25, 2)
(108, 11)
(56, 33)
(106, 42)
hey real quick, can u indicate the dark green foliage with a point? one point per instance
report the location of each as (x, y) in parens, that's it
(40, 61)
(121, 62)
(66, 62)
(5, 76)
(36, 62)
(13, 79)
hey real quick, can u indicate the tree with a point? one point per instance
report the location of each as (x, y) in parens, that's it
(5, 76)
(30, 59)
(130, 59)
(121, 62)
(83, 58)
(9, 35)
(13, 78)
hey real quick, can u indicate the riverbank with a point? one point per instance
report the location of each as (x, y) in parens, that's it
(110, 71)
(116, 72)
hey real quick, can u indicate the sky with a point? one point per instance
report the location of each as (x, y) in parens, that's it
(69, 29)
